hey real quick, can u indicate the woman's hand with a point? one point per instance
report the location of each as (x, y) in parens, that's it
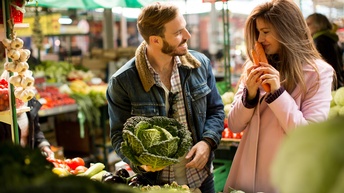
(253, 81)
(269, 76)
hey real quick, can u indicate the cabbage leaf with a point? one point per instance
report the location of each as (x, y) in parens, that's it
(155, 141)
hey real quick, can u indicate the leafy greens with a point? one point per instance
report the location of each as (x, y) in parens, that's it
(155, 141)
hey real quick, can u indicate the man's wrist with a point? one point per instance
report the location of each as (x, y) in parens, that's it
(210, 142)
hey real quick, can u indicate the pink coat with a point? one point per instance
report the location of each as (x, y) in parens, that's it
(266, 125)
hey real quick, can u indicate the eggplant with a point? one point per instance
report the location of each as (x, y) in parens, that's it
(107, 174)
(115, 179)
(123, 173)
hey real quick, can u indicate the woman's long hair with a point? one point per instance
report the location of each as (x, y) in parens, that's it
(297, 47)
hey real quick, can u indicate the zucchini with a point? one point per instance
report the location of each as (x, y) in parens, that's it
(93, 169)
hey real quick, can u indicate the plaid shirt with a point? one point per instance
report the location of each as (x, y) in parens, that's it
(194, 176)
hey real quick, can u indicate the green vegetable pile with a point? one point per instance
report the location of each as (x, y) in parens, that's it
(156, 141)
(337, 103)
(311, 159)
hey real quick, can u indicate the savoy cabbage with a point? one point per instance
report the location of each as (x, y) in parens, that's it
(155, 141)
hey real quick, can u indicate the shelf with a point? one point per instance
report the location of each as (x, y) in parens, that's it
(227, 143)
(16, 26)
(230, 140)
(58, 110)
(6, 116)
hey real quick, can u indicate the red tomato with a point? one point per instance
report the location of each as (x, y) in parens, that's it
(78, 161)
(236, 136)
(75, 162)
(79, 169)
(225, 123)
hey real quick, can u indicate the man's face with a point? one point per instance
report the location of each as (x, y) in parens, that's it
(176, 37)
(313, 29)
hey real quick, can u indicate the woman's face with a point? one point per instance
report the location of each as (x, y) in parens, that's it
(266, 36)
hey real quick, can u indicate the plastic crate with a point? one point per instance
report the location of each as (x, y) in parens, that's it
(221, 171)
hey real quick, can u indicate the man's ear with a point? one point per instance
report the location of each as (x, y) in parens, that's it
(154, 39)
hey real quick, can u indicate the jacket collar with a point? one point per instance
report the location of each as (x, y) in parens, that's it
(145, 75)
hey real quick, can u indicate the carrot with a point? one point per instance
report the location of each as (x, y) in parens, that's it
(258, 55)
(260, 51)
(255, 57)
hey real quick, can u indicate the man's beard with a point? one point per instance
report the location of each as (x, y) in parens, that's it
(172, 50)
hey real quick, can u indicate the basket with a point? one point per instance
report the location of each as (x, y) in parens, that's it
(221, 171)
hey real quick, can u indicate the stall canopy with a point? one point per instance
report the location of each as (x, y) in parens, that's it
(89, 4)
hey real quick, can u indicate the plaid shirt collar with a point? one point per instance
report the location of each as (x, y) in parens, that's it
(177, 63)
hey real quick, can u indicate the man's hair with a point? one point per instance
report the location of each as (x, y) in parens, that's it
(152, 20)
(320, 21)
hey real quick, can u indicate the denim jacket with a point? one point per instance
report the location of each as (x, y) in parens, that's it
(132, 92)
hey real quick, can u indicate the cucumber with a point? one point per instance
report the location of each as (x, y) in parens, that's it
(93, 169)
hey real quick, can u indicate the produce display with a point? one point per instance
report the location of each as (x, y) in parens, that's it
(22, 78)
(156, 142)
(51, 97)
(61, 72)
(4, 96)
(228, 134)
(96, 172)
(227, 99)
(337, 103)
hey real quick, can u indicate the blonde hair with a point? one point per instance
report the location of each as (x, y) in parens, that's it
(297, 47)
(152, 20)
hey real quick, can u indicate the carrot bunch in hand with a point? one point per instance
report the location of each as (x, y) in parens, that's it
(258, 55)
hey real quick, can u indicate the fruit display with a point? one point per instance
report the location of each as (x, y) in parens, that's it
(22, 78)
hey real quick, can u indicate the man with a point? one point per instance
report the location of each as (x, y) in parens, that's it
(326, 41)
(163, 67)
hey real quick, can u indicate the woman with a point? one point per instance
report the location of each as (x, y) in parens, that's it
(300, 83)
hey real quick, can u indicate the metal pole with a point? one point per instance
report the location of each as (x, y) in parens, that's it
(226, 44)
(8, 25)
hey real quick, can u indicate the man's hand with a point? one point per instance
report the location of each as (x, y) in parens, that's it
(199, 155)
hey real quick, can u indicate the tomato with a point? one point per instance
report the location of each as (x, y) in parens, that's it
(225, 125)
(75, 162)
(79, 170)
(78, 161)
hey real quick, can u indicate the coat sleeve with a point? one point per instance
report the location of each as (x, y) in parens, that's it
(239, 116)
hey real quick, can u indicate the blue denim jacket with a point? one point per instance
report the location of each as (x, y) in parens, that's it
(133, 92)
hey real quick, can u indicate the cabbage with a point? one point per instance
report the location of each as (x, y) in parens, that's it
(311, 159)
(339, 96)
(157, 141)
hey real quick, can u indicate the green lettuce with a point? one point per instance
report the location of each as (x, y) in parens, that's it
(155, 141)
